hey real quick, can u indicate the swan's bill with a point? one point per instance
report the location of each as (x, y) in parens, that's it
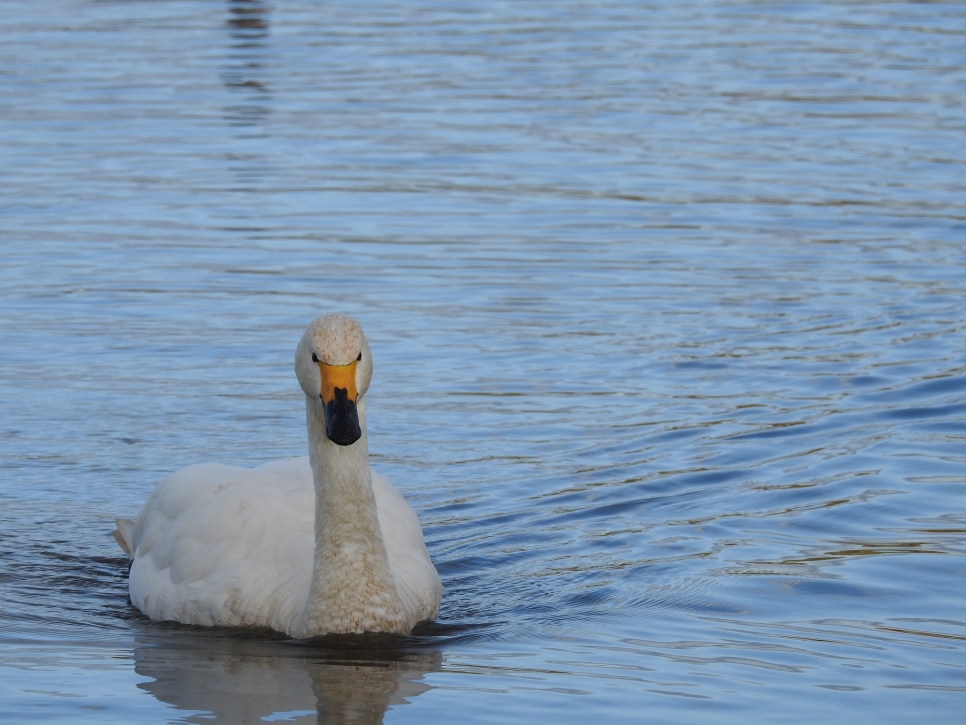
(339, 395)
(338, 376)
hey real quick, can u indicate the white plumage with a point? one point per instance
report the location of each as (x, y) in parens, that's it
(305, 546)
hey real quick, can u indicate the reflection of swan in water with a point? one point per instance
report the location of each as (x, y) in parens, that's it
(244, 681)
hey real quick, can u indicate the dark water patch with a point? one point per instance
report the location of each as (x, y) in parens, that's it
(939, 411)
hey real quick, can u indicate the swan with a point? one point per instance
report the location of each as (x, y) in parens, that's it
(305, 546)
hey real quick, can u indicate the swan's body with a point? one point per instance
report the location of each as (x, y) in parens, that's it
(305, 546)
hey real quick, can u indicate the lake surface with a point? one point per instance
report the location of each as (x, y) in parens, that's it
(666, 303)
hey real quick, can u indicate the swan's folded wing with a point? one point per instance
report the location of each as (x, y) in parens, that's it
(124, 535)
(294, 472)
(416, 578)
(224, 546)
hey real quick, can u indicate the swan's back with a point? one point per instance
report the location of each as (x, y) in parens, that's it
(220, 545)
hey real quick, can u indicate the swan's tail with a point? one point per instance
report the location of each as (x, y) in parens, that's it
(124, 535)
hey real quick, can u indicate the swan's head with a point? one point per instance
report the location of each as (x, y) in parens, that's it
(334, 366)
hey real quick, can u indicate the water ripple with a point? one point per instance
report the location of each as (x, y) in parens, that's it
(666, 304)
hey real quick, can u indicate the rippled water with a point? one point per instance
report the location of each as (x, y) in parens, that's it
(667, 308)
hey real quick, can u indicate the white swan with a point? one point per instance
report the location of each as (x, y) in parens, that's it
(305, 546)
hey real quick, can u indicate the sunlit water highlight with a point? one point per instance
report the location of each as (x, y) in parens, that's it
(666, 305)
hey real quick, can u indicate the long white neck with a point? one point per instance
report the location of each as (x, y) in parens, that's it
(353, 589)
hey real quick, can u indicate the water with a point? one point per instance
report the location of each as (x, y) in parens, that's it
(666, 305)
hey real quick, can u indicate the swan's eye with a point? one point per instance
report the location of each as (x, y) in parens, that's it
(315, 358)
(359, 358)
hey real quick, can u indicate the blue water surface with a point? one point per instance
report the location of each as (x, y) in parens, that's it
(666, 304)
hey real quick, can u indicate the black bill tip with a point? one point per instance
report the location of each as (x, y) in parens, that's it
(342, 419)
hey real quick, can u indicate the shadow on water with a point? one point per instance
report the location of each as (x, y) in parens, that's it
(236, 678)
(245, 75)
